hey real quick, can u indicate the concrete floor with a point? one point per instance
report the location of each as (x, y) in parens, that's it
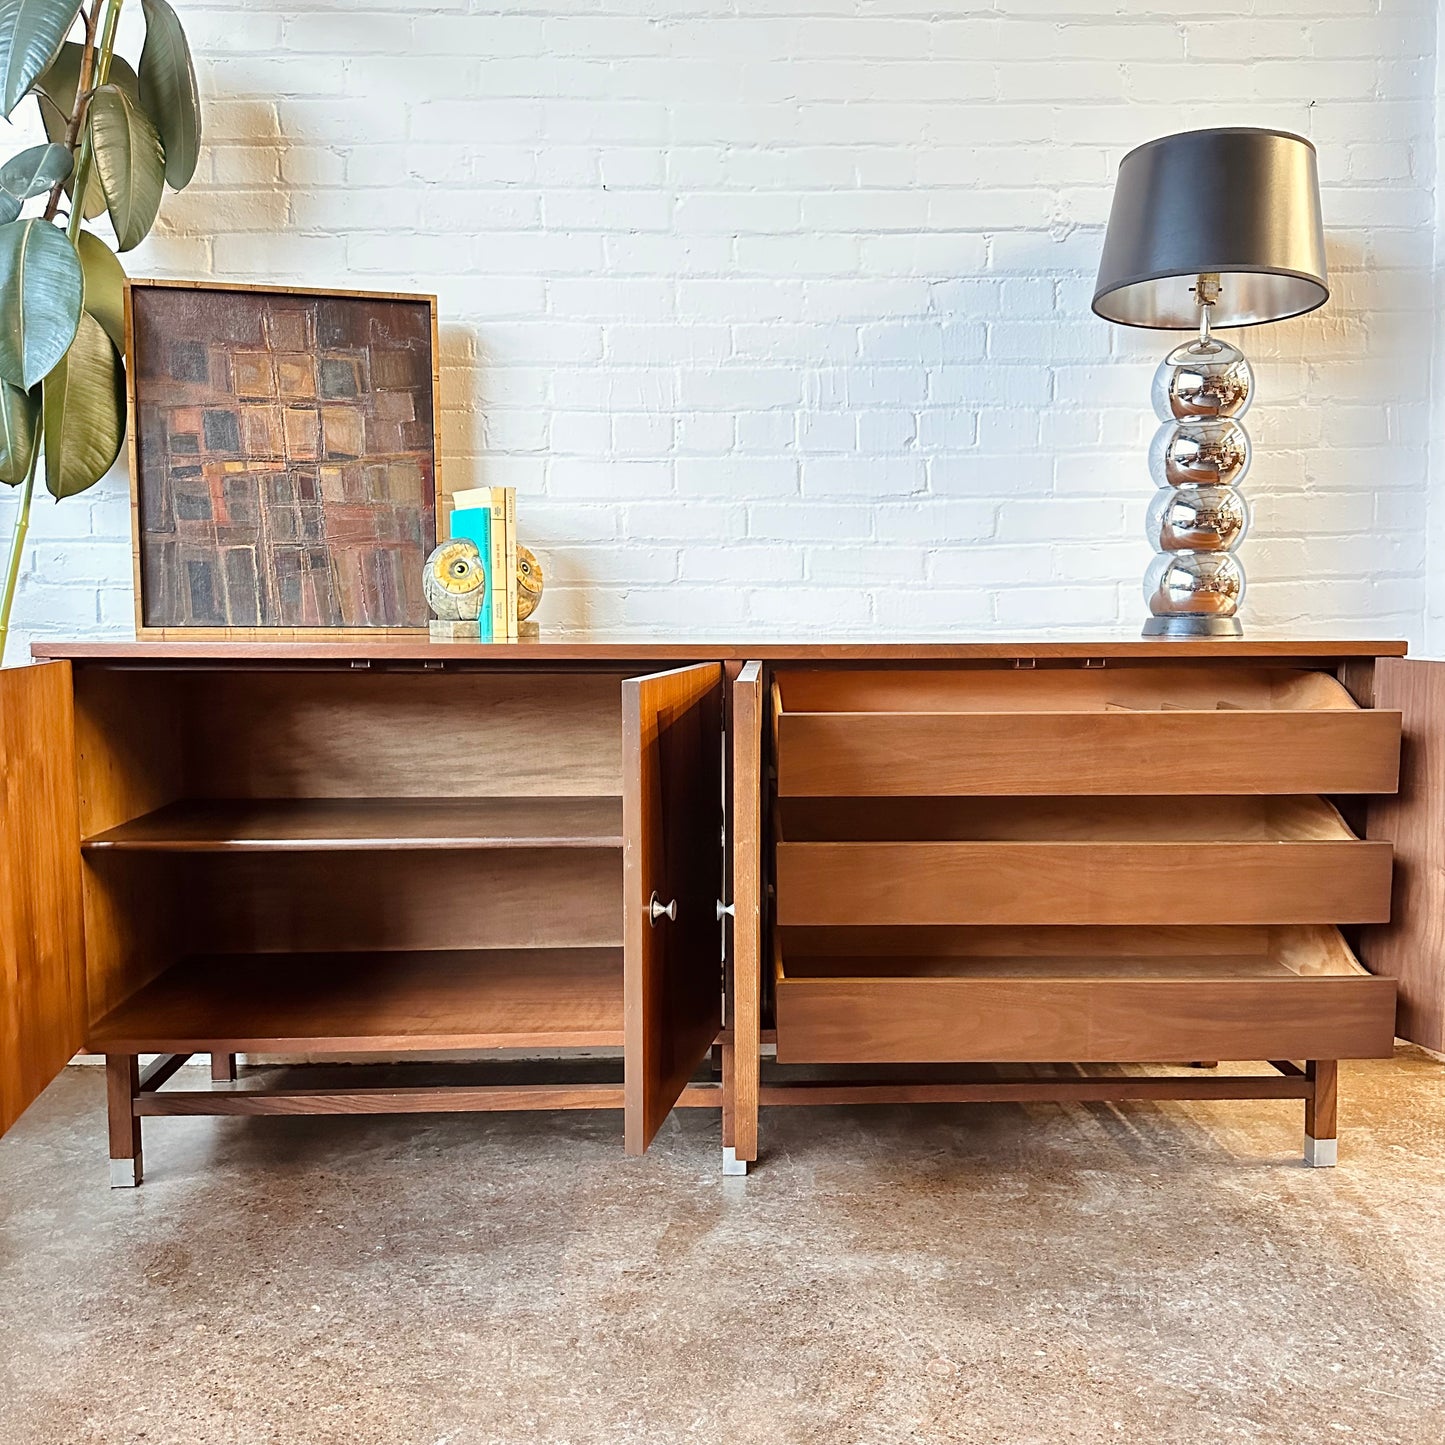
(998, 1274)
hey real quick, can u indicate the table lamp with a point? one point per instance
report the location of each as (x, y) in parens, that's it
(1209, 228)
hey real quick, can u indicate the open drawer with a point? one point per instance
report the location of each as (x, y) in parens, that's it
(1140, 730)
(1043, 860)
(1166, 995)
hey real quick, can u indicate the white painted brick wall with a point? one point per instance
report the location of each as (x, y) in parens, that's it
(776, 311)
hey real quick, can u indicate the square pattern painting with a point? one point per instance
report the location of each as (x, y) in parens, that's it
(283, 457)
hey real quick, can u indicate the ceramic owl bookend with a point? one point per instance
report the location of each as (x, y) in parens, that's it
(529, 584)
(454, 582)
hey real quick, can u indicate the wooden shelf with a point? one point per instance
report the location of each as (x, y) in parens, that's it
(373, 1002)
(328, 824)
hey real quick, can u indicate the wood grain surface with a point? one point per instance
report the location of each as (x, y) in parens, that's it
(1085, 1019)
(1202, 729)
(1037, 1091)
(278, 734)
(332, 824)
(748, 866)
(683, 645)
(1082, 883)
(1327, 750)
(1411, 947)
(358, 901)
(42, 947)
(1201, 685)
(672, 821)
(377, 1002)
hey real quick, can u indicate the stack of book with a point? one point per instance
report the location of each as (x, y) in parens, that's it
(488, 517)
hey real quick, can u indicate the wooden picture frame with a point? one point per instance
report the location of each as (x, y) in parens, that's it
(254, 453)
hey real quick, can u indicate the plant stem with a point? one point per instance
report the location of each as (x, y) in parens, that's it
(82, 102)
(17, 547)
(102, 75)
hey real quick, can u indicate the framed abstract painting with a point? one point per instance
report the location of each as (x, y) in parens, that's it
(282, 456)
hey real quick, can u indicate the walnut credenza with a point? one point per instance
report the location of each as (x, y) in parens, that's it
(763, 874)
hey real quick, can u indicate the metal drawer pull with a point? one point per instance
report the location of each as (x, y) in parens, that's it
(656, 910)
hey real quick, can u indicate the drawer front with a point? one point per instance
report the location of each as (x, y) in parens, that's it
(1082, 883)
(1230, 751)
(960, 1020)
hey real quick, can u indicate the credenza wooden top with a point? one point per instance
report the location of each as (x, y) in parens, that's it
(663, 648)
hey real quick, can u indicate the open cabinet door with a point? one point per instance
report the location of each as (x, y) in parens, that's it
(42, 949)
(741, 1063)
(672, 876)
(1411, 947)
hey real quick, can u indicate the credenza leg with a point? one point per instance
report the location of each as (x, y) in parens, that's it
(122, 1085)
(731, 1164)
(1321, 1129)
(223, 1068)
(739, 1105)
(727, 1069)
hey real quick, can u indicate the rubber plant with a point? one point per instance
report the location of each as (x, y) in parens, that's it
(116, 135)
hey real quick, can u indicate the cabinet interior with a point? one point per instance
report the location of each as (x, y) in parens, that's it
(262, 847)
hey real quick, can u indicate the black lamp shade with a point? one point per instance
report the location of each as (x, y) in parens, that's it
(1238, 203)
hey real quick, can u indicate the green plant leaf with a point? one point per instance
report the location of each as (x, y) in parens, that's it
(84, 411)
(104, 285)
(130, 163)
(41, 291)
(58, 85)
(31, 32)
(168, 91)
(30, 173)
(55, 92)
(55, 128)
(18, 415)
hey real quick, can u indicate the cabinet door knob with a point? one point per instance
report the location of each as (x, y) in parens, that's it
(657, 910)
(725, 910)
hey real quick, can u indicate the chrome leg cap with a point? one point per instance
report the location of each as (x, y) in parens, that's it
(124, 1173)
(731, 1163)
(1321, 1153)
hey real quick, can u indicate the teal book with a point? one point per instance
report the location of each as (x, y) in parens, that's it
(475, 524)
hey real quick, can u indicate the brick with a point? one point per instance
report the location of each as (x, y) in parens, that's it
(862, 476)
(824, 610)
(734, 477)
(947, 610)
(584, 433)
(699, 521)
(739, 562)
(778, 315)
(863, 565)
(576, 477)
(989, 566)
(783, 522)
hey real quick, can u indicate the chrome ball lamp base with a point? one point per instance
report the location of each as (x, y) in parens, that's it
(1198, 458)
(1193, 625)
